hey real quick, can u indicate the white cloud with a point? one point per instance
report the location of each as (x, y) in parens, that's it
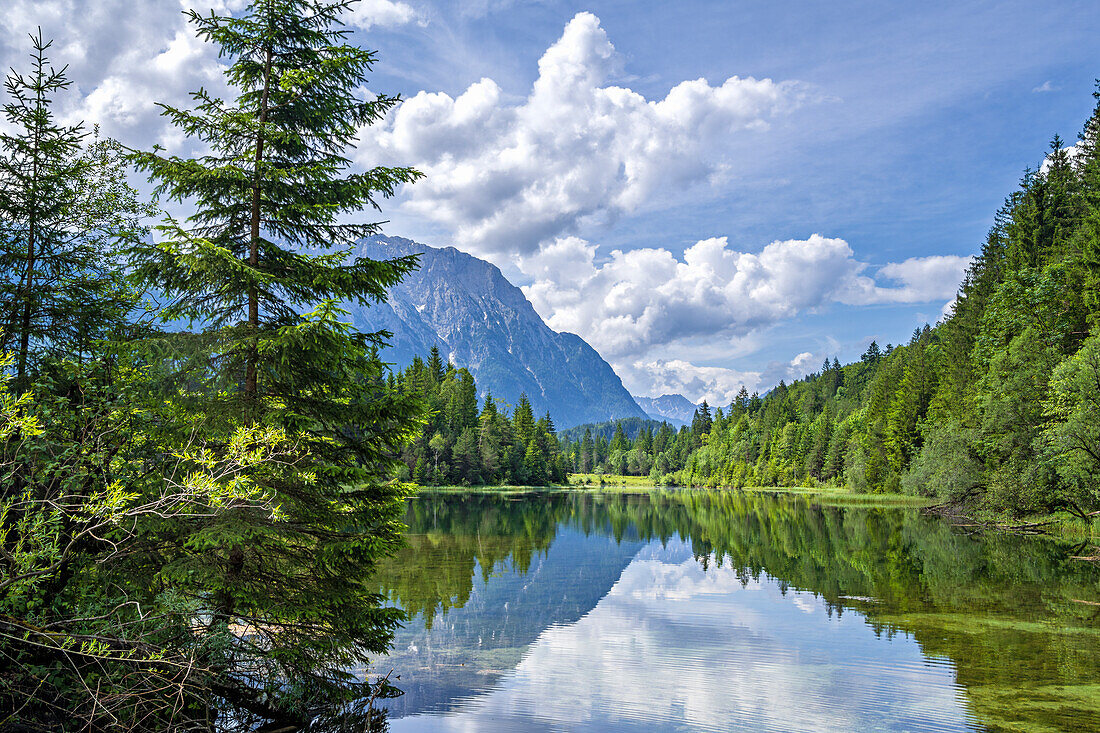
(646, 297)
(367, 14)
(126, 56)
(920, 280)
(803, 363)
(504, 176)
(717, 385)
(123, 57)
(1046, 86)
(638, 307)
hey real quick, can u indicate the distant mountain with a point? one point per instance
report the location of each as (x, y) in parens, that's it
(675, 408)
(479, 320)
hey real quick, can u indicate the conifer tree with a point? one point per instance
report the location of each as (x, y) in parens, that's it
(1087, 239)
(435, 365)
(523, 420)
(267, 242)
(587, 453)
(64, 208)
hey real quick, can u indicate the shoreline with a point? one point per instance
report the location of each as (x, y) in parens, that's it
(1056, 526)
(832, 497)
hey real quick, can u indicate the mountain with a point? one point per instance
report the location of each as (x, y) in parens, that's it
(675, 408)
(479, 320)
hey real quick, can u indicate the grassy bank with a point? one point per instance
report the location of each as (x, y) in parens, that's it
(823, 494)
(611, 483)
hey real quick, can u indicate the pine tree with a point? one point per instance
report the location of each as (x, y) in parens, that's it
(702, 421)
(64, 210)
(435, 365)
(587, 456)
(547, 423)
(618, 439)
(523, 421)
(266, 243)
(1087, 238)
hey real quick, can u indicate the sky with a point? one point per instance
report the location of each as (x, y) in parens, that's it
(711, 193)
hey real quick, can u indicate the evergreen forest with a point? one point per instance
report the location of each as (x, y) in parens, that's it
(460, 443)
(996, 407)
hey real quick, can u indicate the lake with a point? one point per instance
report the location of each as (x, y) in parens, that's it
(714, 611)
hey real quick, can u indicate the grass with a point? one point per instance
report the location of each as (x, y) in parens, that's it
(824, 494)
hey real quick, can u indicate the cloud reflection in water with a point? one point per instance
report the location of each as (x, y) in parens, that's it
(675, 647)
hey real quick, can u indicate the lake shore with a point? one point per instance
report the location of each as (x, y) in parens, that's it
(1060, 524)
(642, 485)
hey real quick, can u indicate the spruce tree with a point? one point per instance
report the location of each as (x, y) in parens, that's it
(1087, 238)
(261, 266)
(435, 365)
(64, 208)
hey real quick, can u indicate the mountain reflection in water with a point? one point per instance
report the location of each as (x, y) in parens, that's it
(693, 611)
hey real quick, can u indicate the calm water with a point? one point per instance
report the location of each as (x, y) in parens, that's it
(713, 612)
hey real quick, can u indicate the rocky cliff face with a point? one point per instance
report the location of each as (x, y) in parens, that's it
(479, 320)
(675, 408)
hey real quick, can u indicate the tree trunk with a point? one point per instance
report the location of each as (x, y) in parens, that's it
(28, 284)
(251, 387)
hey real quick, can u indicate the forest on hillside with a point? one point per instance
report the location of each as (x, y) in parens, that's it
(997, 406)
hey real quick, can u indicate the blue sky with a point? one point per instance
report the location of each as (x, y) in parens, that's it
(557, 134)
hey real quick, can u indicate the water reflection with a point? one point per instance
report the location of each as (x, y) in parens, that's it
(703, 612)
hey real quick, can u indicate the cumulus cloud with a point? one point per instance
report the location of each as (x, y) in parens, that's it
(123, 57)
(126, 56)
(1046, 86)
(367, 14)
(918, 280)
(644, 297)
(717, 385)
(504, 176)
(639, 302)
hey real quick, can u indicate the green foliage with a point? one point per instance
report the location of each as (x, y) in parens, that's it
(994, 406)
(631, 427)
(1074, 431)
(630, 447)
(190, 518)
(457, 445)
(65, 209)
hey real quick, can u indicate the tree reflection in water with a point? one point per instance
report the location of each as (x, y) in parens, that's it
(485, 576)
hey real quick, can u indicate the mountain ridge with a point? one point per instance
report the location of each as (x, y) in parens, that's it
(466, 308)
(674, 408)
